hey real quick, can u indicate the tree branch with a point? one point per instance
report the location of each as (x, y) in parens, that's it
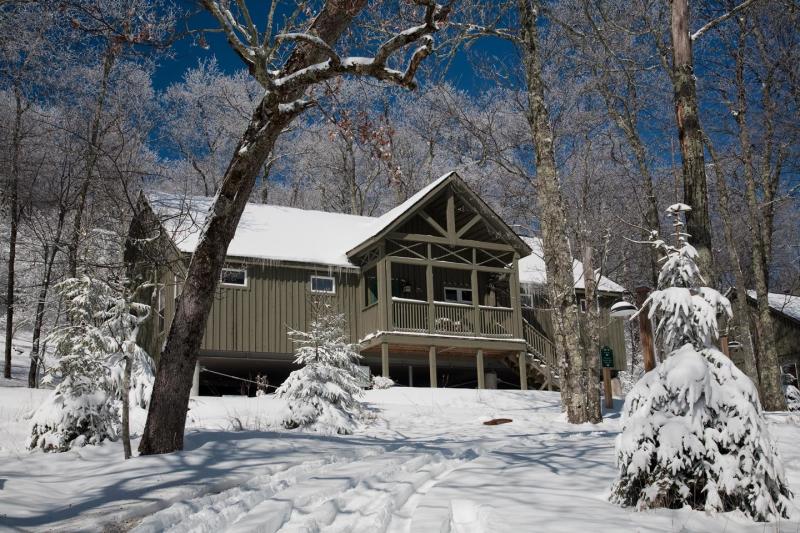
(710, 24)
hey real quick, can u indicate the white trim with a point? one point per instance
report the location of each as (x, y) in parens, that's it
(311, 284)
(236, 285)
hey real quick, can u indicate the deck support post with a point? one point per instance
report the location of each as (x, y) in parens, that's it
(385, 359)
(481, 371)
(410, 376)
(523, 372)
(432, 364)
(195, 381)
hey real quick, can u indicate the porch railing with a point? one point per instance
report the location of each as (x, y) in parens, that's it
(410, 315)
(454, 319)
(497, 321)
(451, 319)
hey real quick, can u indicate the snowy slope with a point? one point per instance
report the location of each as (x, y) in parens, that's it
(427, 464)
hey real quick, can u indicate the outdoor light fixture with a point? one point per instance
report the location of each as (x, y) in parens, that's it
(623, 309)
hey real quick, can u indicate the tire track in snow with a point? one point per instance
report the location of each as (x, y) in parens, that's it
(214, 512)
(361, 496)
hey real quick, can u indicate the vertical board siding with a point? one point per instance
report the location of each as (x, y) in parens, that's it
(255, 319)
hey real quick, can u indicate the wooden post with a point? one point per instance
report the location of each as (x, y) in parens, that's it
(481, 372)
(723, 339)
(476, 310)
(389, 303)
(380, 273)
(432, 364)
(723, 345)
(196, 381)
(523, 372)
(645, 330)
(385, 359)
(429, 289)
(516, 301)
(607, 388)
(410, 376)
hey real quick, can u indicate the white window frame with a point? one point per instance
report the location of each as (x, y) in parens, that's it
(460, 298)
(332, 280)
(583, 305)
(236, 285)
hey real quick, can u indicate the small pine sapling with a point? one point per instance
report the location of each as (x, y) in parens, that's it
(323, 395)
(693, 429)
(90, 375)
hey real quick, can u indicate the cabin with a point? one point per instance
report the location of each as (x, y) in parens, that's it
(439, 291)
(785, 309)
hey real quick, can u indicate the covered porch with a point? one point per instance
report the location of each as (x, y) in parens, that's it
(441, 360)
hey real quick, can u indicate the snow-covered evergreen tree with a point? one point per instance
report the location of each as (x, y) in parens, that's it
(693, 429)
(323, 395)
(91, 350)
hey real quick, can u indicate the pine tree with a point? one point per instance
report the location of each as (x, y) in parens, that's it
(693, 429)
(92, 353)
(323, 395)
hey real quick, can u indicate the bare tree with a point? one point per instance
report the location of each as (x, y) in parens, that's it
(312, 60)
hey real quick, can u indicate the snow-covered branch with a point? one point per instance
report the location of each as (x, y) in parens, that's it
(722, 18)
(286, 80)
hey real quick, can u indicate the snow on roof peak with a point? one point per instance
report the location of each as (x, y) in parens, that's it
(786, 304)
(532, 269)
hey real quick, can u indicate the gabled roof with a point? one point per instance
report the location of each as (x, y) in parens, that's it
(532, 270)
(287, 234)
(397, 216)
(785, 304)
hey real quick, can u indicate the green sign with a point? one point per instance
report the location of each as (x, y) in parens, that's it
(607, 357)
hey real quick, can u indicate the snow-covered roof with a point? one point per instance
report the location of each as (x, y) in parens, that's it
(277, 233)
(532, 269)
(269, 232)
(783, 303)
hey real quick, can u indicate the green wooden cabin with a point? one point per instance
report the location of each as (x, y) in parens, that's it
(439, 291)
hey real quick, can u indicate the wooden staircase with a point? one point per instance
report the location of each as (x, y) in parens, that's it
(541, 357)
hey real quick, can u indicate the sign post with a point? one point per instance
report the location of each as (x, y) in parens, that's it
(607, 362)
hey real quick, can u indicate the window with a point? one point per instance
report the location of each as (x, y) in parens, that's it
(234, 277)
(323, 284)
(456, 295)
(370, 287)
(582, 303)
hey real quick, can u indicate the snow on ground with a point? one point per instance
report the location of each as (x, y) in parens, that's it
(426, 464)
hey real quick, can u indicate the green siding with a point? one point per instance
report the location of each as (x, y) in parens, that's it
(256, 318)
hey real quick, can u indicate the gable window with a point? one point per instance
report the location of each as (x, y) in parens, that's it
(323, 284)
(458, 295)
(234, 277)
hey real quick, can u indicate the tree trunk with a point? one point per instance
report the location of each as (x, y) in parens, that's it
(91, 160)
(166, 418)
(555, 243)
(126, 400)
(741, 309)
(50, 258)
(695, 188)
(592, 336)
(13, 201)
(768, 368)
